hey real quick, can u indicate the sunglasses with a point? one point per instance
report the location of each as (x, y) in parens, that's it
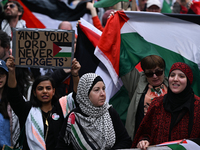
(157, 73)
(11, 6)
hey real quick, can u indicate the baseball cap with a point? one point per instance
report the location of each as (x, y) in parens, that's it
(153, 2)
(3, 65)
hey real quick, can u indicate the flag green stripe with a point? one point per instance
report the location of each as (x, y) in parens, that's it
(37, 127)
(176, 147)
(63, 55)
(107, 3)
(166, 8)
(77, 137)
(120, 102)
(134, 48)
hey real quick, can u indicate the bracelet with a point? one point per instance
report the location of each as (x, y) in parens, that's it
(75, 75)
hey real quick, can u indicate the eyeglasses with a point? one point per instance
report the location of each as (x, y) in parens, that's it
(11, 6)
(157, 73)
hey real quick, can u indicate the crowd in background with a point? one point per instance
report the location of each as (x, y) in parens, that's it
(59, 110)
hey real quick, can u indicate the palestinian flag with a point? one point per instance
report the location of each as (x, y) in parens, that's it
(62, 49)
(49, 14)
(185, 144)
(88, 37)
(130, 36)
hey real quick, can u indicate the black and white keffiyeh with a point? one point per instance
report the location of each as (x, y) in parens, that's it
(98, 125)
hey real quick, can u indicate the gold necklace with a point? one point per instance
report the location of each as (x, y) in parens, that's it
(46, 118)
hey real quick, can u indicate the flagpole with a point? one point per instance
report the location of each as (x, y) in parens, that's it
(133, 5)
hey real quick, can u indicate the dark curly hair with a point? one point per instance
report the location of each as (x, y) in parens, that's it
(4, 39)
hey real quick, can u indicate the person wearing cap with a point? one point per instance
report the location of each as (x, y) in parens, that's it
(174, 116)
(153, 6)
(94, 124)
(5, 125)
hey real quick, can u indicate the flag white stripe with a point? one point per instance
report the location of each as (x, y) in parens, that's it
(182, 36)
(190, 145)
(101, 69)
(90, 26)
(65, 49)
(53, 23)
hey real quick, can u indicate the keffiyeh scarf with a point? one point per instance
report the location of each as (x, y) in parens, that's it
(96, 130)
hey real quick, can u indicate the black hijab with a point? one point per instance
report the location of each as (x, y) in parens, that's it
(179, 104)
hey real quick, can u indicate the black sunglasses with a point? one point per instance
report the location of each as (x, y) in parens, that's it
(11, 6)
(157, 73)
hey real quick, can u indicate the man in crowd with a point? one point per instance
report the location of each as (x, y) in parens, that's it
(4, 45)
(153, 6)
(65, 25)
(13, 12)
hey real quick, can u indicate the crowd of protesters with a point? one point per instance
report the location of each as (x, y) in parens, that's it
(162, 108)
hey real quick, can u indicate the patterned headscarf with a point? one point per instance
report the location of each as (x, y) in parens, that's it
(177, 100)
(184, 68)
(98, 117)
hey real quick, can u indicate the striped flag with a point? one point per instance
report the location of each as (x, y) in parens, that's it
(49, 14)
(63, 49)
(88, 37)
(185, 144)
(135, 35)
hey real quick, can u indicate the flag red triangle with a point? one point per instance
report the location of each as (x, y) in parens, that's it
(56, 49)
(31, 20)
(91, 35)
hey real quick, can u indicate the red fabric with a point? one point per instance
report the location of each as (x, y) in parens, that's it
(195, 7)
(156, 124)
(138, 67)
(31, 20)
(91, 35)
(67, 82)
(97, 23)
(184, 68)
(109, 43)
(184, 10)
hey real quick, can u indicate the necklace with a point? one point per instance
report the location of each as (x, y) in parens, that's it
(46, 118)
(47, 124)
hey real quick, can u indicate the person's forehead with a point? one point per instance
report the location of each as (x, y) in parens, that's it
(149, 70)
(154, 6)
(9, 3)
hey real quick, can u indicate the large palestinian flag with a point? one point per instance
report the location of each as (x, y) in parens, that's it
(49, 14)
(88, 37)
(135, 35)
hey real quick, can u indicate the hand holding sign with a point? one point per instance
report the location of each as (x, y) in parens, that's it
(45, 48)
(12, 82)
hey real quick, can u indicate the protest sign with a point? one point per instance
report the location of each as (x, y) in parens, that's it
(45, 48)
